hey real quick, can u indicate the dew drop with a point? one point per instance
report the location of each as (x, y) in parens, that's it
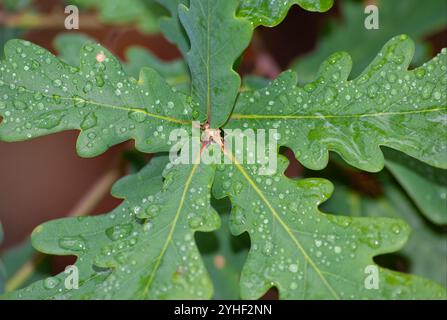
(374, 243)
(372, 91)
(268, 249)
(237, 187)
(420, 73)
(309, 87)
(20, 105)
(392, 77)
(330, 94)
(99, 81)
(399, 59)
(151, 212)
(226, 185)
(293, 206)
(34, 65)
(437, 95)
(51, 282)
(88, 87)
(38, 96)
(76, 243)
(293, 268)
(195, 222)
(427, 90)
(118, 232)
(49, 120)
(137, 116)
(195, 114)
(89, 121)
(396, 228)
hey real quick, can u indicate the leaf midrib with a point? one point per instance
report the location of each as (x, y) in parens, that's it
(110, 106)
(236, 116)
(283, 224)
(171, 231)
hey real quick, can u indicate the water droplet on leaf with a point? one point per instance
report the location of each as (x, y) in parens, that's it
(119, 232)
(76, 243)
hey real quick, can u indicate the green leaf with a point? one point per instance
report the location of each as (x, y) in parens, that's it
(305, 253)
(143, 13)
(223, 255)
(171, 26)
(270, 13)
(69, 44)
(145, 248)
(426, 248)
(250, 82)
(174, 72)
(215, 84)
(426, 185)
(386, 106)
(42, 95)
(7, 34)
(17, 256)
(413, 17)
(258, 12)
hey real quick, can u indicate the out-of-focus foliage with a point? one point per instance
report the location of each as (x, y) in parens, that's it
(416, 18)
(144, 14)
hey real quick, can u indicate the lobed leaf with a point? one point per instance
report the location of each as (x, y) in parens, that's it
(20, 256)
(174, 72)
(69, 44)
(305, 253)
(387, 105)
(224, 255)
(270, 12)
(144, 249)
(172, 27)
(425, 251)
(214, 83)
(41, 95)
(426, 185)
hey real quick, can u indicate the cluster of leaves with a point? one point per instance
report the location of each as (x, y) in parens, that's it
(425, 184)
(146, 247)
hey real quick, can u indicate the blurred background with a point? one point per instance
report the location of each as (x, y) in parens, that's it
(44, 179)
